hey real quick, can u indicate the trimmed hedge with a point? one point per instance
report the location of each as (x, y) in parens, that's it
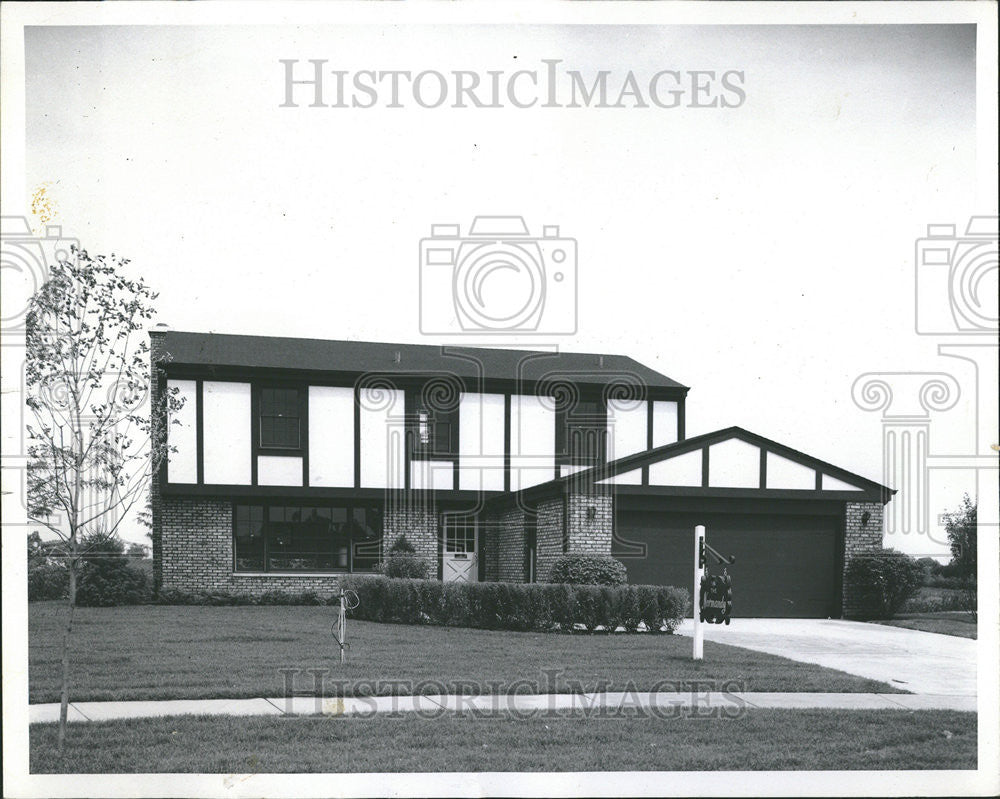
(580, 569)
(169, 596)
(882, 583)
(518, 606)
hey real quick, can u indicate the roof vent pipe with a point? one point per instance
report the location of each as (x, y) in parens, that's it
(397, 357)
(600, 361)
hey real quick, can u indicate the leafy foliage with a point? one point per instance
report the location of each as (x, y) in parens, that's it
(107, 579)
(882, 582)
(403, 562)
(580, 569)
(961, 528)
(92, 441)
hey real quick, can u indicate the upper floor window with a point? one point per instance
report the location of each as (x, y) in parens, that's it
(581, 430)
(280, 422)
(433, 430)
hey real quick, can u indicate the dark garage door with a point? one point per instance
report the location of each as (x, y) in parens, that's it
(785, 565)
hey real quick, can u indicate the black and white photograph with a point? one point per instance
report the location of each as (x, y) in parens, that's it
(524, 399)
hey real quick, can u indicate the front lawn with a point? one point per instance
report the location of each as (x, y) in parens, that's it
(758, 740)
(957, 622)
(184, 652)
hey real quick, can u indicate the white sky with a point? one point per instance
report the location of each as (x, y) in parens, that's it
(763, 255)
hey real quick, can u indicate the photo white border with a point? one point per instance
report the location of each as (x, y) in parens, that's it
(14, 16)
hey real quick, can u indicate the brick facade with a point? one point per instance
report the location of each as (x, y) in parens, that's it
(197, 553)
(860, 539)
(591, 523)
(419, 523)
(550, 537)
(511, 541)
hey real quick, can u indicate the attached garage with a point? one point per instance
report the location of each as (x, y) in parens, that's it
(787, 564)
(792, 521)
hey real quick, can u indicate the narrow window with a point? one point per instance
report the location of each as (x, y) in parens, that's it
(280, 418)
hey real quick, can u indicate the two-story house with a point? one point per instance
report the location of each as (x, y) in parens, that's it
(299, 460)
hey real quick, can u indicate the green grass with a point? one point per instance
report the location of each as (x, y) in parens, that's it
(157, 652)
(946, 622)
(759, 740)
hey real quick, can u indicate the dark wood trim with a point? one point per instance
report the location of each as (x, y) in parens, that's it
(199, 400)
(401, 379)
(254, 431)
(763, 468)
(704, 466)
(681, 418)
(834, 508)
(357, 438)
(506, 441)
(819, 480)
(460, 499)
(304, 437)
(807, 494)
(649, 439)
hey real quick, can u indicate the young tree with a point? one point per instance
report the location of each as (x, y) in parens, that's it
(961, 529)
(93, 440)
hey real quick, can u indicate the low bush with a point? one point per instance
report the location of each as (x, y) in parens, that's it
(518, 606)
(579, 569)
(170, 596)
(881, 583)
(402, 562)
(47, 581)
(107, 577)
(112, 583)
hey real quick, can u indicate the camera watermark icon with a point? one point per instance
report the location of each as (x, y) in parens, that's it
(24, 268)
(956, 279)
(956, 299)
(25, 261)
(497, 279)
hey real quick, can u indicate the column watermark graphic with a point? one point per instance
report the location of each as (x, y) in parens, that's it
(956, 288)
(25, 260)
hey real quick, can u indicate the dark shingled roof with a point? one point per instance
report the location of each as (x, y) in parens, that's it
(315, 355)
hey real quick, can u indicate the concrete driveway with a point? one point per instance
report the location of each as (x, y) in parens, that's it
(924, 663)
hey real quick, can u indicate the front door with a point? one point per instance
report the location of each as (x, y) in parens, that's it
(459, 551)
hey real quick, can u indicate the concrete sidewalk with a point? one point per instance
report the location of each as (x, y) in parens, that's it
(692, 704)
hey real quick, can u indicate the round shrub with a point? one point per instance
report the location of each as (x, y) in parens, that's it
(402, 562)
(403, 567)
(881, 583)
(588, 570)
(47, 581)
(112, 583)
(106, 578)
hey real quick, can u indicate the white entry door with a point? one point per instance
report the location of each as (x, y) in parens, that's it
(459, 555)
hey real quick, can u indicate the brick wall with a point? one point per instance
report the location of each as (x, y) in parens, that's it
(197, 553)
(549, 537)
(510, 542)
(419, 523)
(860, 539)
(591, 521)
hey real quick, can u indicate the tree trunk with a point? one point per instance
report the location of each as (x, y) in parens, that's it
(64, 697)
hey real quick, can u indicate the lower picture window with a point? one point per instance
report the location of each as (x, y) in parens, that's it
(312, 538)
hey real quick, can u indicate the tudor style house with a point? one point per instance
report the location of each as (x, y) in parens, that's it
(300, 460)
